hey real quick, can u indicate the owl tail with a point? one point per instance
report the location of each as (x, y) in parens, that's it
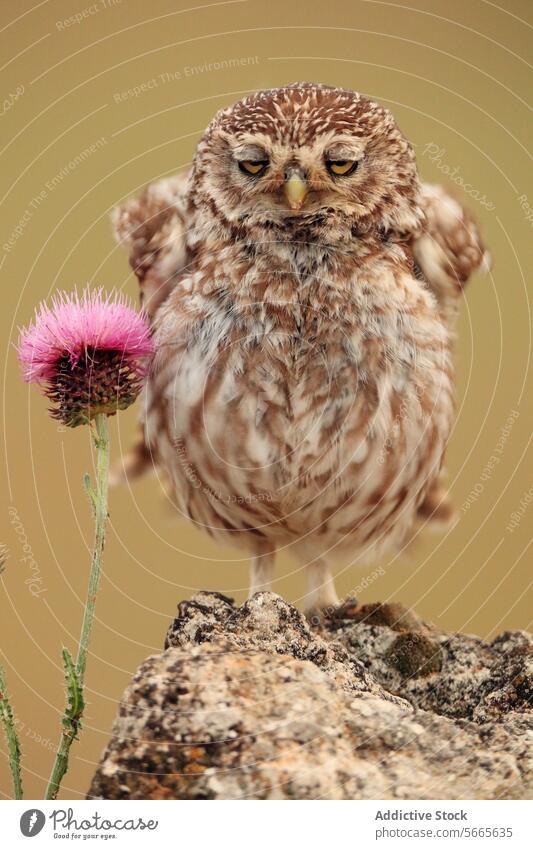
(436, 511)
(136, 463)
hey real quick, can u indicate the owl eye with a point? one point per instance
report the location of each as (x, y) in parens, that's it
(341, 167)
(254, 167)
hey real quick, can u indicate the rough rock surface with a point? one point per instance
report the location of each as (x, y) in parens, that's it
(253, 702)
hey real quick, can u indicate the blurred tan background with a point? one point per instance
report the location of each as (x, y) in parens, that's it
(95, 108)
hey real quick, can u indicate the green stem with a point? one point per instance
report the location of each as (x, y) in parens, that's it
(13, 745)
(71, 723)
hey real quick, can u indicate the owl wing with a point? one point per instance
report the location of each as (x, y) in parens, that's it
(152, 228)
(449, 248)
(446, 253)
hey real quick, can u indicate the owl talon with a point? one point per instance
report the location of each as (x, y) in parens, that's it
(317, 616)
(347, 610)
(321, 615)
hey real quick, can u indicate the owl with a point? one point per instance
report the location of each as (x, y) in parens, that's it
(303, 287)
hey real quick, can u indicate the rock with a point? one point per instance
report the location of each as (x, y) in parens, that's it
(252, 702)
(395, 615)
(414, 654)
(268, 624)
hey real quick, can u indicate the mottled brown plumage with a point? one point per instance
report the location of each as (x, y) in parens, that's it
(303, 287)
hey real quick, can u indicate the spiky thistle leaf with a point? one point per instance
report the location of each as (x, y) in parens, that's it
(8, 721)
(75, 703)
(89, 489)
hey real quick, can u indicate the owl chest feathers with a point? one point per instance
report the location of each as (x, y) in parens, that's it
(296, 375)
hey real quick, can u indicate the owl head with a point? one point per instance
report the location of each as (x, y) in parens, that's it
(307, 157)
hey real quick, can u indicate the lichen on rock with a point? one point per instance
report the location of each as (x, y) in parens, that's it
(253, 702)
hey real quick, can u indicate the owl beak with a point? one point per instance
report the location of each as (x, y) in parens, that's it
(295, 188)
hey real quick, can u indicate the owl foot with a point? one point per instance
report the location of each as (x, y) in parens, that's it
(437, 510)
(334, 612)
(321, 597)
(261, 572)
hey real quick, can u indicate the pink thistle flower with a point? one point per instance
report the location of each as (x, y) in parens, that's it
(90, 354)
